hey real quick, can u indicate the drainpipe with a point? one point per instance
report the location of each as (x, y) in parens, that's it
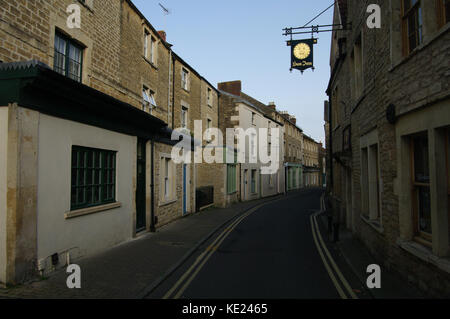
(173, 91)
(152, 187)
(168, 86)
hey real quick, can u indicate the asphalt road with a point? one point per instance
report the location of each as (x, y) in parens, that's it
(271, 253)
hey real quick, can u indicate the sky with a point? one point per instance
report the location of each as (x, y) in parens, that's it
(242, 40)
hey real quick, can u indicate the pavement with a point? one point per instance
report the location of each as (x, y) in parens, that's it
(353, 252)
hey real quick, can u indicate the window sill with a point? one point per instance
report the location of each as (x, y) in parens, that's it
(150, 62)
(91, 210)
(424, 253)
(421, 47)
(166, 202)
(375, 224)
(185, 90)
(232, 193)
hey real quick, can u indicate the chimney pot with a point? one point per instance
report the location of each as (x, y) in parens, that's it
(163, 35)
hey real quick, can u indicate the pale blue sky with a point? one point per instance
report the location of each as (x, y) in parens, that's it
(242, 40)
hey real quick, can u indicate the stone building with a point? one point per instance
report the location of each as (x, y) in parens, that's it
(311, 168)
(220, 178)
(239, 110)
(293, 155)
(322, 166)
(389, 120)
(292, 142)
(91, 122)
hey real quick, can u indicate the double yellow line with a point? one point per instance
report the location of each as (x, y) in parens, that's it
(323, 252)
(185, 280)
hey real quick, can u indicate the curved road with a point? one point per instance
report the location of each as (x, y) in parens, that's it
(270, 254)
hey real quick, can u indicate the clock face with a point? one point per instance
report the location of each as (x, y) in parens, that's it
(302, 51)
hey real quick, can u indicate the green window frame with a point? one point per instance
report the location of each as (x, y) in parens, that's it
(68, 57)
(93, 181)
(231, 179)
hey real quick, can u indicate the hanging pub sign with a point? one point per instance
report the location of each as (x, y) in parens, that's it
(302, 56)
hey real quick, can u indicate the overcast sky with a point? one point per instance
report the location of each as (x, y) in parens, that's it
(242, 40)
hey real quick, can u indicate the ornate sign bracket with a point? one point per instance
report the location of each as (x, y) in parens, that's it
(302, 50)
(316, 29)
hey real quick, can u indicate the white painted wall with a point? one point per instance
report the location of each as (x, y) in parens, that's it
(88, 234)
(3, 170)
(262, 184)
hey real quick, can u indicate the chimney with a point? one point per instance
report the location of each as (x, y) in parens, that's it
(272, 105)
(232, 87)
(163, 35)
(293, 119)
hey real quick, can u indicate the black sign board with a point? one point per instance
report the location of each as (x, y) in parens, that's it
(302, 56)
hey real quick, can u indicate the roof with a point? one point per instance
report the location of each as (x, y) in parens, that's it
(193, 70)
(34, 85)
(241, 100)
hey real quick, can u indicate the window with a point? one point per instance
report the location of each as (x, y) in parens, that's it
(68, 57)
(184, 117)
(185, 79)
(167, 179)
(253, 118)
(146, 44)
(421, 185)
(253, 181)
(411, 25)
(370, 178)
(149, 101)
(253, 142)
(153, 50)
(443, 10)
(210, 97)
(208, 126)
(93, 177)
(231, 178)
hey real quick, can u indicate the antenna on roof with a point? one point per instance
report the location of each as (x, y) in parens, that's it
(165, 10)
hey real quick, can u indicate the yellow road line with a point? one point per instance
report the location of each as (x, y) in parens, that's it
(199, 258)
(188, 282)
(333, 264)
(327, 267)
(208, 252)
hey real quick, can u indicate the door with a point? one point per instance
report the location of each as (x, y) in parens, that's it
(184, 189)
(140, 186)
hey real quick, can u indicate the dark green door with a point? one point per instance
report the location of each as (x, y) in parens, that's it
(140, 186)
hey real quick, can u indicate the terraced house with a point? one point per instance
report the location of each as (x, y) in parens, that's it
(311, 167)
(389, 125)
(239, 110)
(87, 116)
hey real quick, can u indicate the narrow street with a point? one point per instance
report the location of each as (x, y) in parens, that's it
(268, 253)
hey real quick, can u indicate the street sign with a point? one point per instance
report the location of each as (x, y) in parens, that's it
(302, 53)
